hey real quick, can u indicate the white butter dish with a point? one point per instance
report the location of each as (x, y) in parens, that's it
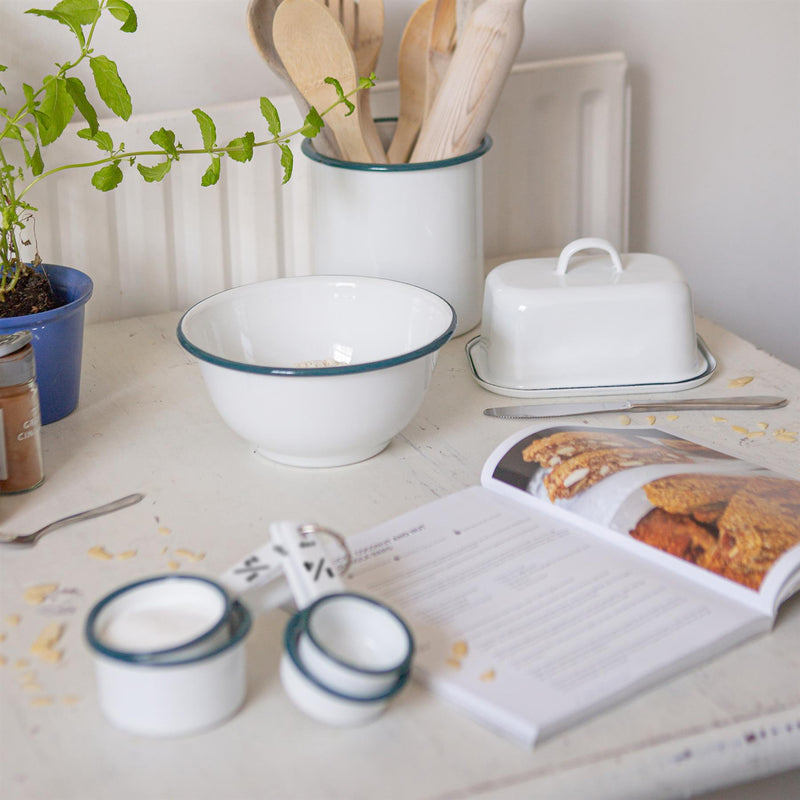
(588, 321)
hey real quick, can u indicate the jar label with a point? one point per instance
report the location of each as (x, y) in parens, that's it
(3, 459)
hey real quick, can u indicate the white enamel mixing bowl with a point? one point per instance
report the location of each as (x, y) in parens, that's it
(318, 371)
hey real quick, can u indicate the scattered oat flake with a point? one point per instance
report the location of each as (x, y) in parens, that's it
(672, 417)
(487, 676)
(755, 434)
(22, 663)
(624, 419)
(453, 662)
(718, 419)
(651, 420)
(44, 646)
(740, 429)
(2, 637)
(736, 383)
(786, 437)
(163, 530)
(173, 565)
(460, 649)
(127, 554)
(70, 699)
(36, 595)
(13, 620)
(763, 425)
(100, 553)
(3, 661)
(188, 554)
(32, 687)
(41, 701)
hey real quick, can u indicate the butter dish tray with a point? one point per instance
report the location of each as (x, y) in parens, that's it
(476, 357)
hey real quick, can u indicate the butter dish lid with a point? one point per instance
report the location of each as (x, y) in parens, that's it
(569, 270)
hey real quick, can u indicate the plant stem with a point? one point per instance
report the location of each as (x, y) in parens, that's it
(121, 156)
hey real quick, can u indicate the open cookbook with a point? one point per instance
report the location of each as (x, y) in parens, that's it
(590, 564)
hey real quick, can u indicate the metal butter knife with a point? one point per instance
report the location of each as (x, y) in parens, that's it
(572, 409)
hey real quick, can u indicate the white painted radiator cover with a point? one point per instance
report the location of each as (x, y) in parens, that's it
(558, 170)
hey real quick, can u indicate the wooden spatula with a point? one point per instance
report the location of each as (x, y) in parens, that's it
(440, 50)
(413, 68)
(477, 73)
(312, 46)
(260, 14)
(362, 21)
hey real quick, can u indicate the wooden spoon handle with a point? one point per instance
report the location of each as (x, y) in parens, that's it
(412, 69)
(471, 88)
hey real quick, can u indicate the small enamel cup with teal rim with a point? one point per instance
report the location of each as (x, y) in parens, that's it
(316, 698)
(420, 223)
(169, 654)
(355, 645)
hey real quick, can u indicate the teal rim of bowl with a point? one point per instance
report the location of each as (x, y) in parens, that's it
(308, 150)
(346, 369)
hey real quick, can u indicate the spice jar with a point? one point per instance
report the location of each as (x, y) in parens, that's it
(21, 466)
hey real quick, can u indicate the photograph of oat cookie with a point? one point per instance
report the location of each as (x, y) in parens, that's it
(761, 522)
(678, 534)
(702, 496)
(576, 474)
(549, 451)
(734, 525)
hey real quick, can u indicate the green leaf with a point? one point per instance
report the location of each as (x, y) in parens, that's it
(340, 94)
(83, 11)
(313, 123)
(77, 91)
(155, 173)
(65, 19)
(124, 13)
(287, 161)
(56, 110)
(165, 139)
(102, 139)
(211, 175)
(270, 114)
(110, 86)
(107, 178)
(207, 128)
(37, 165)
(3, 68)
(30, 100)
(241, 149)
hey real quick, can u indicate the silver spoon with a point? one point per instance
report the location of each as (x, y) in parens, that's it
(32, 538)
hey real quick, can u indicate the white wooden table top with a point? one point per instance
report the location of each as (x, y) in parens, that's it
(145, 423)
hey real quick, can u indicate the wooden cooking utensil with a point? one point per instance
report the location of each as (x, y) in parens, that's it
(313, 46)
(440, 50)
(413, 68)
(260, 14)
(477, 73)
(362, 21)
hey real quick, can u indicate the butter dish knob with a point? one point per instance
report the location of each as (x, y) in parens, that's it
(587, 243)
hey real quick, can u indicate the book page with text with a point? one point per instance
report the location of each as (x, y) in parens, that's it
(529, 623)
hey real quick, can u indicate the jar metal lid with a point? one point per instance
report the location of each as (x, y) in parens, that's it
(11, 342)
(17, 364)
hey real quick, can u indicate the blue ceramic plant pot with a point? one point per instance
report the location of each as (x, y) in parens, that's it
(57, 341)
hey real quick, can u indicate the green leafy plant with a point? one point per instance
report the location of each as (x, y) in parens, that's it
(62, 96)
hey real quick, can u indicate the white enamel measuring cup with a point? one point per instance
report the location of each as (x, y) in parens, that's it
(346, 655)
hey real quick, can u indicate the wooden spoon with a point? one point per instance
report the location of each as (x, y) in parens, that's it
(362, 21)
(413, 68)
(260, 14)
(440, 50)
(477, 73)
(313, 46)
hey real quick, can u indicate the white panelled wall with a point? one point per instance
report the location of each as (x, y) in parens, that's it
(715, 128)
